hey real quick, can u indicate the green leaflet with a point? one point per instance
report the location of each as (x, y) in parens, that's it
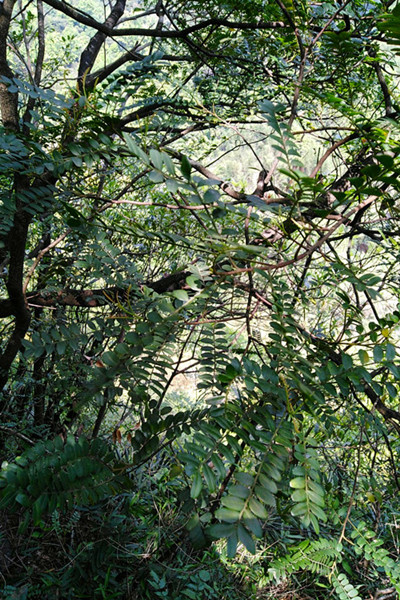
(265, 495)
(257, 508)
(246, 539)
(233, 502)
(197, 485)
(221, 530)
(298, 483)
(210, 478)
(226, 514)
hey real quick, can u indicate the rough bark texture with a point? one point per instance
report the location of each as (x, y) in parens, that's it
(8, 100)
(94, 297)
(16, 239)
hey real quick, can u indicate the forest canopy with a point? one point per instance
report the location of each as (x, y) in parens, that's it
(199, 299)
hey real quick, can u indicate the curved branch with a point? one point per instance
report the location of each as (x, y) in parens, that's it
(86, 19)
(332, 149)
(92, 50)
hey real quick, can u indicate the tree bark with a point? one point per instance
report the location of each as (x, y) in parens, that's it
(8, 100)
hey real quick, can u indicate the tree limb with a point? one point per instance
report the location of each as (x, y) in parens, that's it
(85, 19)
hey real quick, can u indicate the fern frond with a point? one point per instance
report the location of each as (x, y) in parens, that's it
(316, 556)
(53, 475)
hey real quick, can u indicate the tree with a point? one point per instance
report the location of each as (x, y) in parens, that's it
(128, 258)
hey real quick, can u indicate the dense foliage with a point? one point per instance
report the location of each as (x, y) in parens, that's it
(199, 281)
